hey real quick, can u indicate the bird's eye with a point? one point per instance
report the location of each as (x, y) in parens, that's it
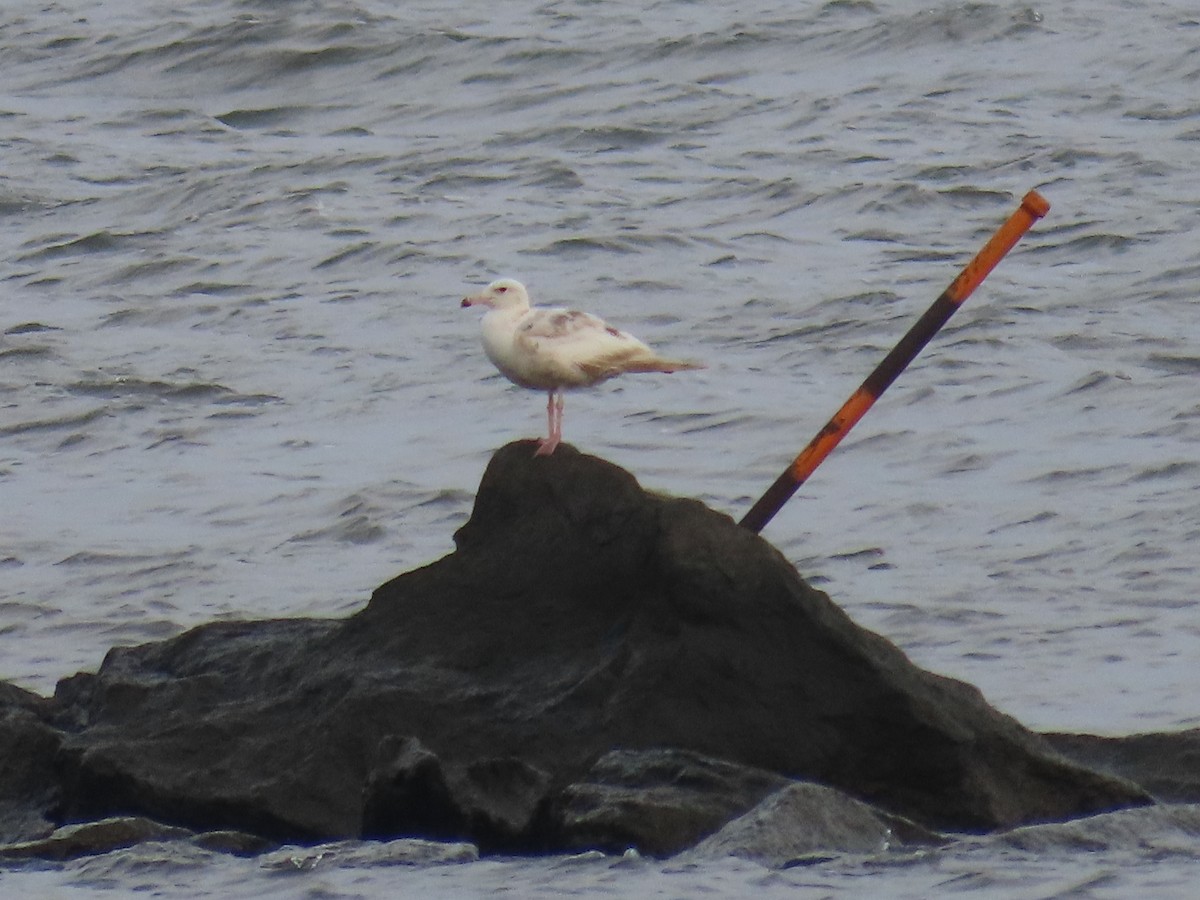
(501, 290)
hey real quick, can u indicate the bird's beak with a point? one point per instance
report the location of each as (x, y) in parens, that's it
(476, 300)
(466, 302)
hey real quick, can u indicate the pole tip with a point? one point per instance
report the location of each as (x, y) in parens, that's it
(1036, 204)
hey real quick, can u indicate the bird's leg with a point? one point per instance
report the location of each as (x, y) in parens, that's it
(554, 409)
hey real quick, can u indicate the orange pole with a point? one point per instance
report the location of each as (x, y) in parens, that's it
(1032, 208)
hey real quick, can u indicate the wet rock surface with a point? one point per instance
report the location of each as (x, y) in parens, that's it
(28, 781)
(804, 823)
(117, 832)
(1166, 765)
(594, 665)
(657, 801)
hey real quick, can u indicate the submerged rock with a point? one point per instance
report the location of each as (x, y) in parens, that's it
(658, 801)
(369, 854)
(805, 822)
(1172, 830)
(117, 832)
(473, 698)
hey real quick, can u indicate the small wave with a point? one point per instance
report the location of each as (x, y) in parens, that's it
(148, 269)
(707, 45)
(236, 399)
(461, 181)
(855, 28)
(878, 236)
(923, 255)
(1061, 476)
(135, 387)
(901, 197)
(14, 205)
(97, 558)
(30, 352)
(574, 246)
(938, 25)
(804, 334)
(268, 117)
(212, 288)
(1086, 244)
(555, 177)
(970, 197)
(1160, 112)
(604, 139)
(97, 242)
(552, 57)
(147, 315)
(354, 530)
(52, 424)
(355, 524)
(1044, 516)
(1092, 380)
(857, 555)
(700, 423)
(971, 462)
(1176, 365)
(306, 60)
(1170, 470)
(359, 252)
(448, 497)
(31, 328)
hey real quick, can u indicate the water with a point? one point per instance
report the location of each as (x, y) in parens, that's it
(235, 381)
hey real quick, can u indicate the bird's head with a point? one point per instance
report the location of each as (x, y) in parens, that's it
(503, 294)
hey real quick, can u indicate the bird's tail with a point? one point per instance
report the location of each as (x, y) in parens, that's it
(658, 364)
(639, 358)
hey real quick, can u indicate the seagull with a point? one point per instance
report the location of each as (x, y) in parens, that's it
(551, 349)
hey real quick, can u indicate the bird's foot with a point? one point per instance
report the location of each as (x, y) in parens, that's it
(546, 446)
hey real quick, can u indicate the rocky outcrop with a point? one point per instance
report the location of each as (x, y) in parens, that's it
(481, 697)
(1166, 765)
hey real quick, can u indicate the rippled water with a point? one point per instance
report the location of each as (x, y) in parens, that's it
(235, 380)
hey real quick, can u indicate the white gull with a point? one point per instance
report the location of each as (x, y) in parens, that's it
(551, 349)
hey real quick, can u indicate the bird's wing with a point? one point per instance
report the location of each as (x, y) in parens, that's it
(572, 347)
(564, 326)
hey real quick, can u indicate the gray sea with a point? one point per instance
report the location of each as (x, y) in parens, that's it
(235, 380)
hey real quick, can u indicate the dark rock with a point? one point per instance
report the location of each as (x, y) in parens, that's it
(587, 615)
(577, 615)
(29, 789)
(659, 801)
(409, 795)
(215, 729)
(493, 800)
(1166, 765)
(805, 821)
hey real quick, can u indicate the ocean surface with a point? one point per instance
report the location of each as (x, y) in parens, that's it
(235, 380)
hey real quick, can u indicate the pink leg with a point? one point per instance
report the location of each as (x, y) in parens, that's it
(554, 411)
